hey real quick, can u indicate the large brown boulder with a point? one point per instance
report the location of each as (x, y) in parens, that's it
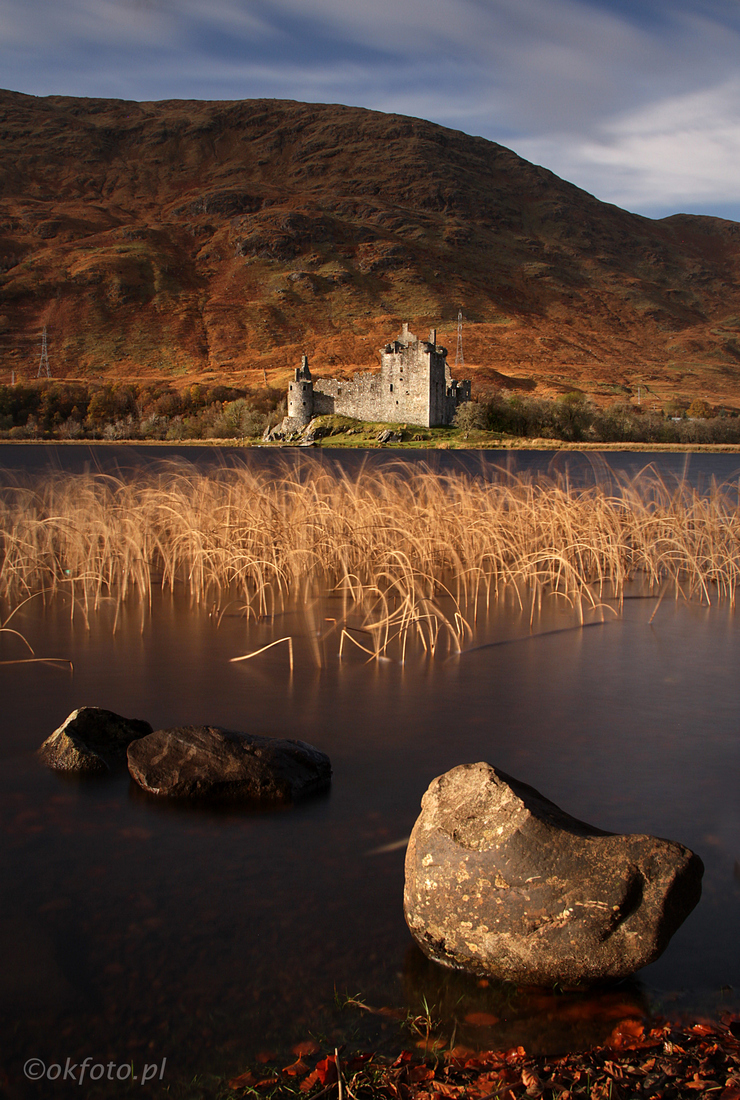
(502, 883)
(208, 762)
(92, 741)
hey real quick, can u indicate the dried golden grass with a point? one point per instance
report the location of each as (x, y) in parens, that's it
(399, 544)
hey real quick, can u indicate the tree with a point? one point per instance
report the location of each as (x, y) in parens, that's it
(470, 416)
(699, 409)
(573, 415)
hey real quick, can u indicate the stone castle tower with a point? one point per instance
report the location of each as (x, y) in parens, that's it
(300, 395)
(414, 387)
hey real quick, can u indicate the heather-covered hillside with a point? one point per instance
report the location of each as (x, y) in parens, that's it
(215, 242)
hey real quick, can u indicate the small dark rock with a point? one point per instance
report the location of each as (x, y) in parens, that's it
(48, 230)
(91, 740)
(208, 762)
(502, 883)
(226, 203)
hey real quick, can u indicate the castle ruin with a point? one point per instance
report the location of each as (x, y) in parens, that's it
(414, 387)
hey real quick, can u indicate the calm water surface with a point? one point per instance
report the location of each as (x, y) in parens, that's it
(132, 930)
(698, 469)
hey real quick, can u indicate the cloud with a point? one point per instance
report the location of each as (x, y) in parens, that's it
(66, 26)
(636, 101)
(681, 152)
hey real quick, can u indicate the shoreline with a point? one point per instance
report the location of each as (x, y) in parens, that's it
(661, 1062)
(330, 443)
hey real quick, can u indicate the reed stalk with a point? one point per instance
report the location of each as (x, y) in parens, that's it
(397, 545)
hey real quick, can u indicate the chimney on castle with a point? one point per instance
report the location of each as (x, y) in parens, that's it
(433, 337)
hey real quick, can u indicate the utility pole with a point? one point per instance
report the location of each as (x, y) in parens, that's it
(459, 360)
(44, 364)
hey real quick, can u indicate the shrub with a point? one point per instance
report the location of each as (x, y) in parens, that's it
(19, 402)
(110, 403)
(244, 418)
(617, 423)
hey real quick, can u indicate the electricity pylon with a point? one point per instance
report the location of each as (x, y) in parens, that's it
(44, 364)
(459, 360)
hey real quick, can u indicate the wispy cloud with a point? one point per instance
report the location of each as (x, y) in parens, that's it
(638, 102)
(67, 25)
(680, 152)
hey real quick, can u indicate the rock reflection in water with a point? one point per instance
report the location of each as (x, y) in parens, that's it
(487, 1015)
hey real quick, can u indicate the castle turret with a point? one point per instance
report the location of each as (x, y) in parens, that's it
(300, 394)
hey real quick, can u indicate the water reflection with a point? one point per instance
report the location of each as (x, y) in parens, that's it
(698, 469)
(217, 933)
(217, 809)
(488, 1015)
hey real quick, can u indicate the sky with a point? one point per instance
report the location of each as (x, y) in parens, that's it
(637, 101)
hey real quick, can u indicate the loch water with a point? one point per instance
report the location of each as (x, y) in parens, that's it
(132, 930)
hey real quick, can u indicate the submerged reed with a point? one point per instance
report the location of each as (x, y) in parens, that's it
(420, 553)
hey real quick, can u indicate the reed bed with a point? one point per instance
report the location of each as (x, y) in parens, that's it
(416, 554)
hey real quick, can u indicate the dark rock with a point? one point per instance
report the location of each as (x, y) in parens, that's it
(208, 762)
(48, 230)
(226, 203)
(306, 281)
(91, 740)
(502, 883)
(375, 258)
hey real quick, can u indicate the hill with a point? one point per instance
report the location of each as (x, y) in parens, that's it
(219, 240)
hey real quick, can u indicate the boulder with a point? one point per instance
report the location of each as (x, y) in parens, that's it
(502, 883)
(208, 762)
(91, 740)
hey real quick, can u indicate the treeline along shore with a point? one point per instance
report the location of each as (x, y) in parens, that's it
(64, 410)
(118, 411)
(574, 419)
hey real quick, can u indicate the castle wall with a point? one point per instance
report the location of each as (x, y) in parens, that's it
(360, 398)
(388, 397)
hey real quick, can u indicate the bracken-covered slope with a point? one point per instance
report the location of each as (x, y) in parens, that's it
(221, 240)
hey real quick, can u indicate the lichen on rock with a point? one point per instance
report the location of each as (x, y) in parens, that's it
(503, 883)
(206, 762)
